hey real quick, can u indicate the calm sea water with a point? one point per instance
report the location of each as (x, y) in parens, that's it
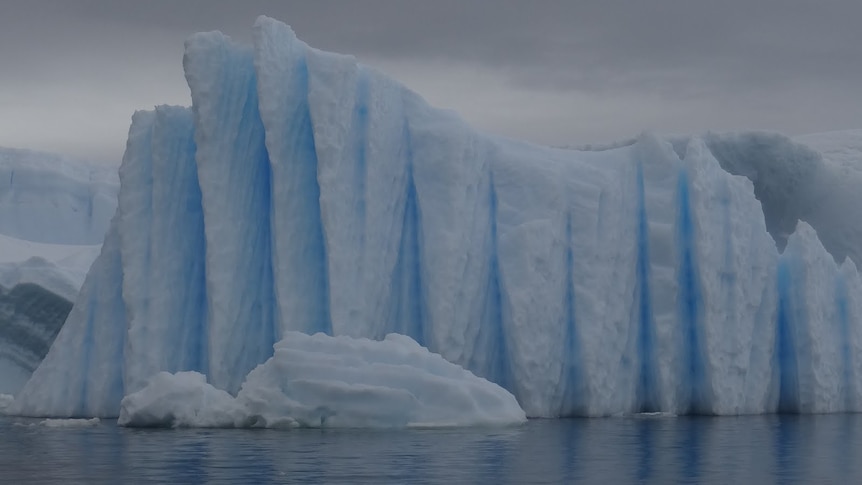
(756, 449)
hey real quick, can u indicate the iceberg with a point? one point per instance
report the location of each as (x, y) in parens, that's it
(69, 423)
(323, 381)
(53, 214)
(306, 192)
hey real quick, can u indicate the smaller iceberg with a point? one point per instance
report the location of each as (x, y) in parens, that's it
(70, 423)
(322, 381)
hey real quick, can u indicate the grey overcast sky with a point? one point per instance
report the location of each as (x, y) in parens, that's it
(554, 72)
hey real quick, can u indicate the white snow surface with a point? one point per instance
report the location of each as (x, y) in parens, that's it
(304, 192)
(323, 381)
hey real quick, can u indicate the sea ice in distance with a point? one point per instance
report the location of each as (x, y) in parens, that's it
(322, 381)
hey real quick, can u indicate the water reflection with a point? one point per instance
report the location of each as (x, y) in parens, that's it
(763, 449)
(691, 434)
(645, 446)
(570, 442)
(787, 432)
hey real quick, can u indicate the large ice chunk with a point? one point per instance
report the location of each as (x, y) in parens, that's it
(183, 399)
(322, 381)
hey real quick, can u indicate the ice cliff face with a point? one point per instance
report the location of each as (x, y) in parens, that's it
(306, 192)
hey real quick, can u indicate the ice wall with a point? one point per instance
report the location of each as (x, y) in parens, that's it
(304, 191)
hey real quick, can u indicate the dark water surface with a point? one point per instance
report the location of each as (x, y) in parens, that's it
(755, 449)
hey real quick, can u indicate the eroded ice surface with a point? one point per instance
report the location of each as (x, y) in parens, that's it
(323, 381)
(306, 192)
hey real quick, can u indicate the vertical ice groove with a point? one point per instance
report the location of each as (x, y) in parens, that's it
(340, 131)
(843, 313)
(490, 358)
(360, 146)
(575, 396)
(646, 393)
(178, 303)
(786, 365)
(408, 315)
(734, 263)
(299, 256)
(814, 322)
(135, 231)
(697, 396)
(234, 177)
